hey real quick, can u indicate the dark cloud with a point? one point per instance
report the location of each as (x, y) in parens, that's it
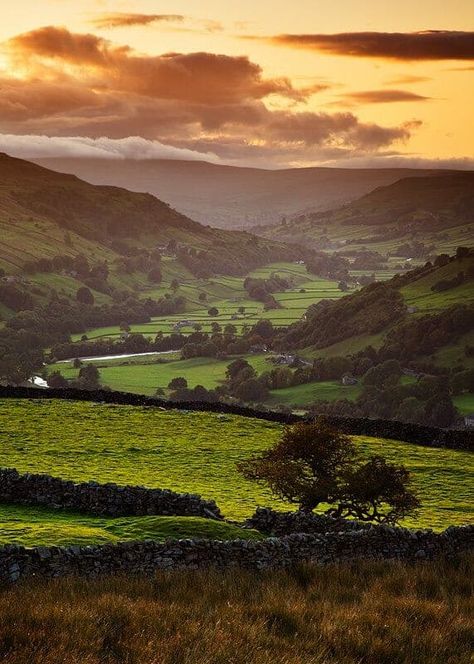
(426, 45)
(121, 20)
(382, 96)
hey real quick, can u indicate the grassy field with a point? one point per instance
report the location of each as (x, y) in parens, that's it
(197, 452)
(143, 375)
(370, 613)
(227, 294)
(34, 526)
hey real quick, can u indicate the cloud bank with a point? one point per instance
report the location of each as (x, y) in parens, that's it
(61, 83)
(36, 146)
(425, 45)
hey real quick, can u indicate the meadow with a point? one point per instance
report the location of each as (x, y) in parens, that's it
(197, 452)
(228, 295)
(366, 613)
(40, 526)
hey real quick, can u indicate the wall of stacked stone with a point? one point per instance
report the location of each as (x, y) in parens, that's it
(279, 524)
(145, 558)
(403, 431)
(100, 499)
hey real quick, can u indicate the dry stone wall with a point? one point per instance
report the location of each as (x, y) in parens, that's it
(100, 499)
(144, 558)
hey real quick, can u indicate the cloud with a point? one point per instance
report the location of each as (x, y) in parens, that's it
(120, 20)
(133, 147)
(382, 96)
(408, 79)
(66, 85)
(200, 77)
(425, 45)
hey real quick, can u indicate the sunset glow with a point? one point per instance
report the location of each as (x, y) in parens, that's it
(269, 83)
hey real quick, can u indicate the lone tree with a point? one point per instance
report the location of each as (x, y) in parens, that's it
(177, 383)
(314, 464)
(84, 295)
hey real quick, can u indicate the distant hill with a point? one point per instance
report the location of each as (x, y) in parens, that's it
(234, 197)
(435, 209)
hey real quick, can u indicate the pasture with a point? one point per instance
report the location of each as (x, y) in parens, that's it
(228, 295)
(197, 452)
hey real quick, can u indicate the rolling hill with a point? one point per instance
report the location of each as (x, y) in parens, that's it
(46, 215)
(436, 210)
(233, 197)
(405, 313)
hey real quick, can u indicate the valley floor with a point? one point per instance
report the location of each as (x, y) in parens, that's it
(371, 612)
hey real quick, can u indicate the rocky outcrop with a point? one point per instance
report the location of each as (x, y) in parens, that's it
(100, 499)
(411, 433)
(144, 558)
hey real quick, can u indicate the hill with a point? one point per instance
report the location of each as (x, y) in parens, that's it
(229, 196)
(42, 212)
(376, 310)
(59, 233)
(409, 218)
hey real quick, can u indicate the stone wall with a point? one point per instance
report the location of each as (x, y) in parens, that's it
(144, 558)
(279, 524)
(411, 433)
(100, 499)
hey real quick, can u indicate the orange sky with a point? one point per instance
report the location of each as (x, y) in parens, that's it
(217, 79)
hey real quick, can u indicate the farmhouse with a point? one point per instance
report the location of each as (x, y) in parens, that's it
(349, 380)
(469, 421)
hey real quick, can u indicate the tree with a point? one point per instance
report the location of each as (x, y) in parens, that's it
(174, 285)
(305, 466)
(56, 380)
(89, 377)
(314, 464)
(213, 311)
(84, 295)
(177, 383)
(202, 297)
(376, 491)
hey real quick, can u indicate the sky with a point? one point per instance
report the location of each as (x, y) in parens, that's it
(267, 83)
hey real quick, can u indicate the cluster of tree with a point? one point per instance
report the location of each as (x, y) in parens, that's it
(364, 259)
(314, 465)
(88, 379)
(26, 334)
(181, 392)
(234, 255)
(95, 276)
(426, 401)
(262, 289)
(446, 284)
(414, 249)
(332, 266)
(415, 337)
(15, 297)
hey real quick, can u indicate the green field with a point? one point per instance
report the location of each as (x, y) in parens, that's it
(227, 294)
(143, 375)
(38, 526)
(197, 452)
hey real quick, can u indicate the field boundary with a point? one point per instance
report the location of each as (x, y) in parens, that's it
(146, 557)
(458, 439)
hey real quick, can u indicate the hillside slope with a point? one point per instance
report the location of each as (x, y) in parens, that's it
(436, 210)
(424, 315)
(44, 213)
(233, 197)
